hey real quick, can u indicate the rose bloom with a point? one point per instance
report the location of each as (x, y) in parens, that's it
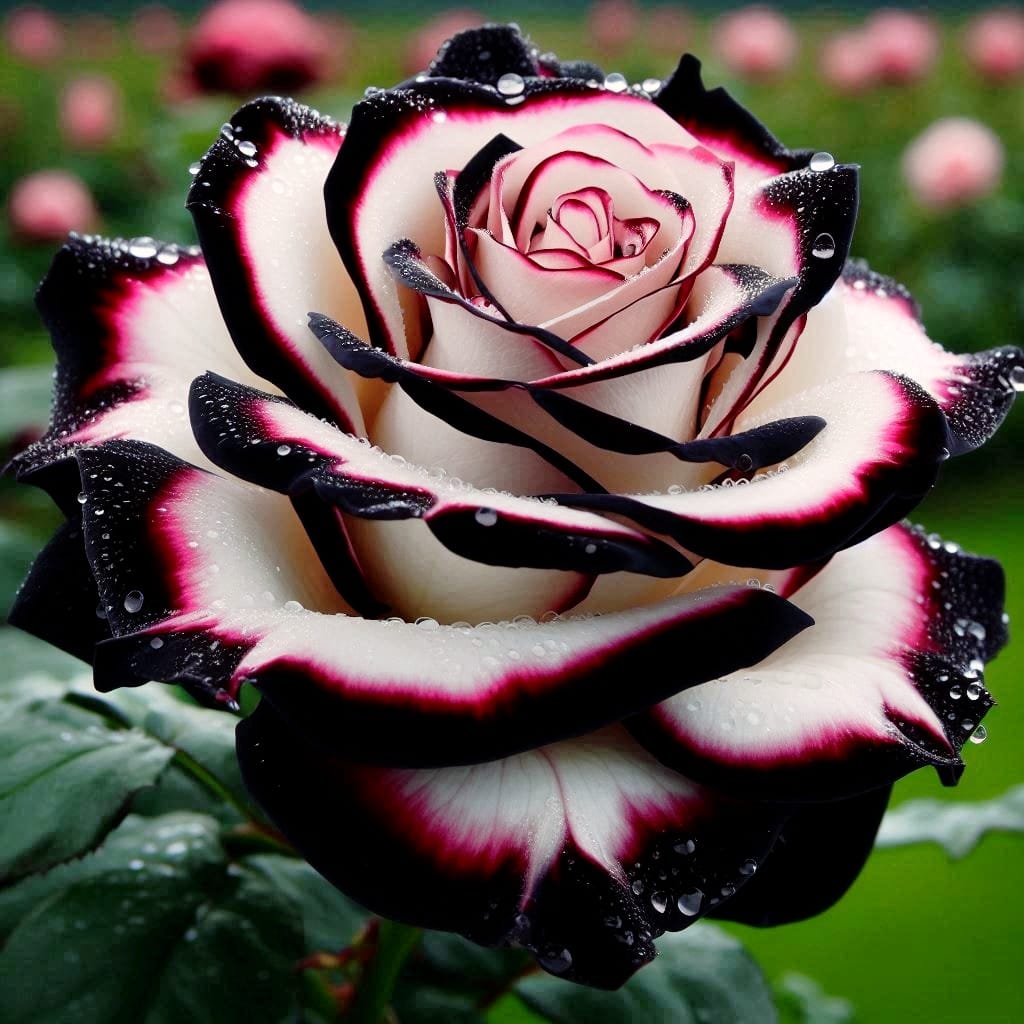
(45, 205)
(755, 42)
(243, 46)
(954, 161)
(532, 447)
(33, 35)
(905, 44)
(90, 111)
(156, 29)
(994, 44)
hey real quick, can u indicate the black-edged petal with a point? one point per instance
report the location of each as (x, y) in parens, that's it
(816, 858)
(132, 322)
(888, 679)
(482, 55)
(257, 203)
(583, 852)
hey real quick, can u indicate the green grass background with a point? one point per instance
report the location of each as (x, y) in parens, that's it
(919, 938)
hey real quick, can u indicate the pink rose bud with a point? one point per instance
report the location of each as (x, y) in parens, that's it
(994, 44)
(156, 29)
(953, 162)
(90, 111)
(612, 25)
(669, 30)
(905, 44)
(46, 205)
(423, 45)
(755, 42)
(33, 35)
(246, 46)
(848, 62)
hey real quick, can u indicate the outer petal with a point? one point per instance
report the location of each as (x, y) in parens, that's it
(582, 851)
(888, 679)
(382, 189)
(875, 459)
(132, 322)
(870, 321)
(257, 202)
(815, 860)
(211, 582)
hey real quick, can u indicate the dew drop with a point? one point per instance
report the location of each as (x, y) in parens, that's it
(156, 643)
(143, 247)
(136, 865)
(659, 901)
(689, 902)
(292, 606)
(748, 867)
(956, 692)
(195, 167)
(247, 148)
(638, 886)
(590, 548)
(427, 623)
(974, 691)
(686, 847)
(557, 961)
(744, 463)
(616, 82)
(1017, 378)
(822, 162)
(82, 497)
(133, 601)
(485, 516)
(824, 247)
(167, 256)
(979, 735)
(650, 85)
(511, 84)
(284, 449)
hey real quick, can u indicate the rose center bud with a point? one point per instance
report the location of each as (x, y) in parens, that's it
(588, 236)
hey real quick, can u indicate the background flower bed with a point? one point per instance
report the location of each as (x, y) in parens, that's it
(918, 937)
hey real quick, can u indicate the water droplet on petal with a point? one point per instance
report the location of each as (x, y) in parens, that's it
(156, 643)
(979, 735)
(486, 516)
(1017, 378)
(284, 449)
(143, 247)
(247, 148)
(616, 82)
(511, 84)
(133, 601)
(689, 902)
(974, 691)
(822, 162)
(557, 961)
(650, 85)
(195, 167)
(824, 246)
(659, 901)
(82, 497)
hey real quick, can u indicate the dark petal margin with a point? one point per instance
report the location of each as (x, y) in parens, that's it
(235, 426)
(715, 118)
(58, 601)
(580, 921)
(82, 300)
(975, 390)
(483, 55)
(264, 335)
(888, 680)
(816, 858)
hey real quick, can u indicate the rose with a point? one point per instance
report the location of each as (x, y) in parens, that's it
(662, 654)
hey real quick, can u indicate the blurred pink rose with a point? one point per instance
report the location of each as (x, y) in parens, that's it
(994, 43)
(905, 44)
(612, 25)
(422, 46)
(90, 111)
(669, 30)
(156, 29)
(340, 39)
(848, 62)
(246, 46)
(755, 42)
(46, 205)
(33, 35)
(952, 162)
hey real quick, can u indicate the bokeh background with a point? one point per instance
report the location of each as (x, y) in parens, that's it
(116, 101)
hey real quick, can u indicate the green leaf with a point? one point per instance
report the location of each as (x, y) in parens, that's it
(330, 919)
(956, 827)
(24, 398)
(701, 976)
(801, 1001)
(18, 547)
(65, 780)
(157, 927)
(26, 655)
